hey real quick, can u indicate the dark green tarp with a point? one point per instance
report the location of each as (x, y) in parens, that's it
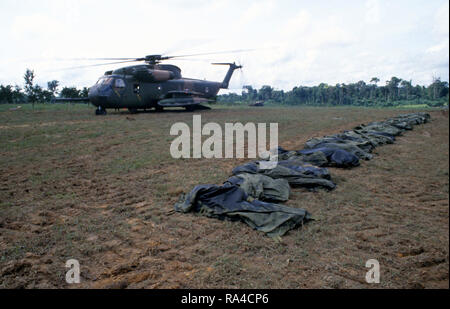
(364, 145)
(240, 198)
(262, 187)
(232, 203)
(335, 157)
(379, 127)
(318, 159)
(296, 178)
(376, 138)
(350, 148)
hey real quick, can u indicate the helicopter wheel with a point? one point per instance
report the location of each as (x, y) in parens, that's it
(100, 111)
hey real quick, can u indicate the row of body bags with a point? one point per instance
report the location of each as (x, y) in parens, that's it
(253, 194)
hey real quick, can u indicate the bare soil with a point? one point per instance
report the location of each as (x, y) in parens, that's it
(101, 190)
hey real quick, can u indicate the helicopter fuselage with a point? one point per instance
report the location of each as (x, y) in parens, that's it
(127, 92)
(153, 86)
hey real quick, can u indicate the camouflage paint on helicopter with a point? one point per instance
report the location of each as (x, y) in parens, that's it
(153, 85)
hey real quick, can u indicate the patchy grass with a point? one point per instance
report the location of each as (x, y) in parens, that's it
(409, 106)
(102, 189)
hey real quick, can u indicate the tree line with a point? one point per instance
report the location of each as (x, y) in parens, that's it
(395, 92)
(33, 93)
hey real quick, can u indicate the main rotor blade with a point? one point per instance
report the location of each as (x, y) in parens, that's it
(96, 65)
(215, 53)
(88, 59)
(199, 60)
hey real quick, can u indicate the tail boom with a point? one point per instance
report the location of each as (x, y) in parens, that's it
(226, 80)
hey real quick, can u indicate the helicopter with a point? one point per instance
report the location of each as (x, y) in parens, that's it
(152, 85)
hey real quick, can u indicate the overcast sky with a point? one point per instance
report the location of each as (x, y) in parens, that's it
(302, 42)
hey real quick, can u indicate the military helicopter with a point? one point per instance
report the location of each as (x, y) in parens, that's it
(153, 85)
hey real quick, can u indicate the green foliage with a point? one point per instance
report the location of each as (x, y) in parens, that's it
(52, 86)
(29, 87)
(84, 92)
(6, 94)
(396, 92)
(10, 94)
(70, 92)
(32, 93)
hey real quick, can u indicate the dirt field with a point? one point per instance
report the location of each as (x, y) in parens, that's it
(102, 190)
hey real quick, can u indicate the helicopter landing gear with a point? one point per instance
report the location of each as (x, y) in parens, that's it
(132, 110)
(190, 108)
(100, 111)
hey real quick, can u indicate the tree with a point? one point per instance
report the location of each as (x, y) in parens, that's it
(375, 80)
(6, 94)
(19, 96)
(359, 93)
(29, 87)
(407, 86)
(247, 95)
(437, 89)
(69, 92)
(84, 92)
(52, 86)
(392, 86)
(38, 93)
(265, 93)
(278, 96)
(361, 88)
(42, 95)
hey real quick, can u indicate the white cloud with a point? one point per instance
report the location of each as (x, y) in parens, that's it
(372, 15)
(439, 47)
(441, 26)
(29, 27)
(315, 41)
(256, 10)
(297, 24)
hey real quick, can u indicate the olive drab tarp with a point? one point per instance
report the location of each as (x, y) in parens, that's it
(318, 159)
(376, 138)
(364, 145)
(379, 127)
(306, 169)
(232, 203)
(335, 157)
(262, 187)
(302, 177)
(346, 146)
(245, 195)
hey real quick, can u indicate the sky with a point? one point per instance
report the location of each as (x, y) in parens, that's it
(297, 42)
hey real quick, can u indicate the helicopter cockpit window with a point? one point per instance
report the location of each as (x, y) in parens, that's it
(119, 83)
(104, 81)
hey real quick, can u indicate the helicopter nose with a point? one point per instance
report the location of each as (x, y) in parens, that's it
(99, 100)
(97, 97)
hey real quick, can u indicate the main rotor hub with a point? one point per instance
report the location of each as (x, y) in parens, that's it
(154, 59)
